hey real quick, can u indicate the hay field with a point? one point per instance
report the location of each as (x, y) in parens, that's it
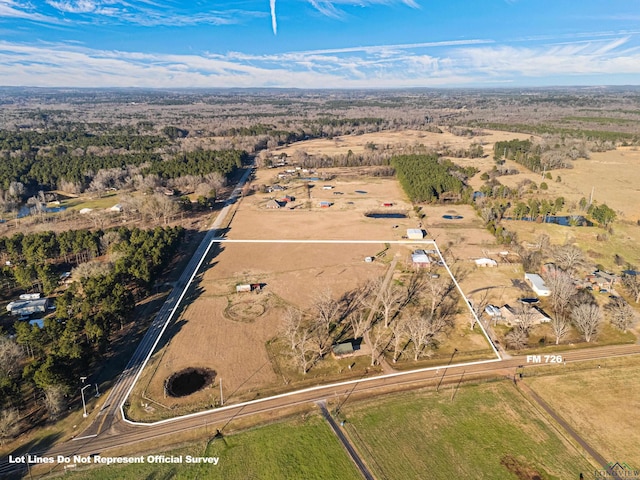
(602, 405)
(486, 432)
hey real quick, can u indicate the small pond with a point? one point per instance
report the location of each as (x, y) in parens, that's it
(188, 381)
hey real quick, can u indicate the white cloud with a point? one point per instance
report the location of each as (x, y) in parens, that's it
(331, 8)
(148, 13)
(14, 9)
(454, 63)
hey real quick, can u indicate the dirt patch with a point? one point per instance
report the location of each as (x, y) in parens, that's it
(188, 381)
(244, 310)
(520, 469)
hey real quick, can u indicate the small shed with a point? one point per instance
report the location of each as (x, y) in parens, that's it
(243, 288)
(537, 284)
(325, 204)
(485, 262)
(415, 233)
(118, 207)
(342, 350)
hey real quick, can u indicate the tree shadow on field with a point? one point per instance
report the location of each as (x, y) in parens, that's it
(37, 446)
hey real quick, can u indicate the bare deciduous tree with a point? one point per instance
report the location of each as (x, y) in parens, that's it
(569, 258)
(10, 356)
(400, 340)
(292, 324)
(632, 285)
(359, 321)
(477, 306)
(8, 424)
(560, 326)
(422, 327)
(377, 337)
(621, 314)
(525, 316)
(561, 288)
(587, 319)
(517, 338)
(54, 399)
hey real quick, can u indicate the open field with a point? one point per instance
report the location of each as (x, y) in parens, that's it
(357, 143)
(300, 448)
(613, 175)
(488, 431)
(232, 333)
(601, 404)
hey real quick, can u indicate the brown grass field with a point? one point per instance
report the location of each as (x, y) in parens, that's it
(601, 404)
(233, 334)
(228, 332)
(357, 143)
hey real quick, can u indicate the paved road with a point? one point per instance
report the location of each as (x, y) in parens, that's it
(124, 384)
(121, 434)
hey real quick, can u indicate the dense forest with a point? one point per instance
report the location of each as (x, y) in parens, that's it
(98, 302)
(425, 178)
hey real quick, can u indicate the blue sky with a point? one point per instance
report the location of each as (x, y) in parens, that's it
(319, 43)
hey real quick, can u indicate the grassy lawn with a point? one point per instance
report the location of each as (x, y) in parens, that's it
(303, 448)
(602, 404)
(487, 432)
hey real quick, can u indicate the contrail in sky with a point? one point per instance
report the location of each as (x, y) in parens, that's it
(274, 21)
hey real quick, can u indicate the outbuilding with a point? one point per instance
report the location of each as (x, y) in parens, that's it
(485, 262)
(415, 233)
(28, 307)
(537, 284)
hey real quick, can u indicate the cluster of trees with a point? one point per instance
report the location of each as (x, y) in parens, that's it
(200, 163)
(99, 301)
(27, 140)
(524, 152)
(602, 214)
(32, 256)
(425, 178)
(535, 208)
(394, 318)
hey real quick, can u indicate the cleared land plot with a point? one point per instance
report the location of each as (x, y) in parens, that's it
(601, 404)
(296, 449)
(487, 432)
(357, 143)
(231, 333)
(614, 177)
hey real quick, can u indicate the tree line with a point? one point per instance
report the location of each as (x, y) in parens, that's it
(98, 302)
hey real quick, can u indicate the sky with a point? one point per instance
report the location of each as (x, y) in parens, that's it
(319, 43)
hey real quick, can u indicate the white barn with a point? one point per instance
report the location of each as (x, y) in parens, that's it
(415, 233)
(537, 284)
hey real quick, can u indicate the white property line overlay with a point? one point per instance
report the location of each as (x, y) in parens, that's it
(219, 240)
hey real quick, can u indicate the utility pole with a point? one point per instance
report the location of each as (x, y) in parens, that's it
(221, 397)
(591, 197)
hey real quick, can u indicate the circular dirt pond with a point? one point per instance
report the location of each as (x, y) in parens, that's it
(188, 381)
